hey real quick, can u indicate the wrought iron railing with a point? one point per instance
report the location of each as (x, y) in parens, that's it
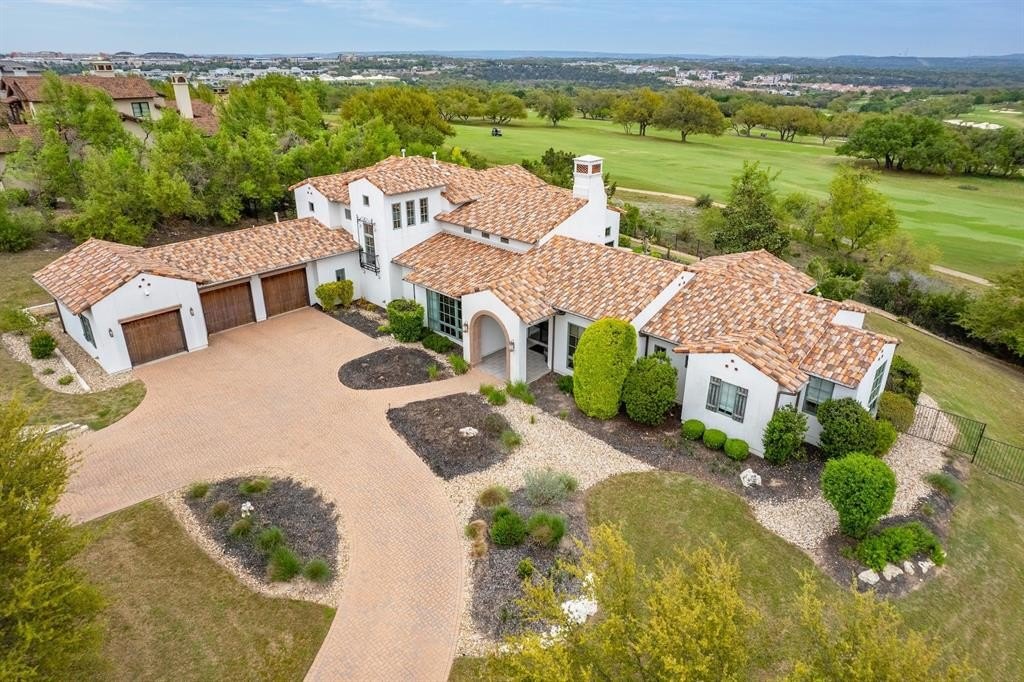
(369, 261)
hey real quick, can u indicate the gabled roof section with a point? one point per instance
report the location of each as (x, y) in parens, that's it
(251, 251)
(453, 265)
(96, 268)
(517, 212)
(757, 267)
(30, 88)
(760, 348)
(204, 115)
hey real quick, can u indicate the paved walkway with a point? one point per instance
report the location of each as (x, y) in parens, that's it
(267, 395)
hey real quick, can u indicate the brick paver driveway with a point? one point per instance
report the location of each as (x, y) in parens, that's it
(268, 395)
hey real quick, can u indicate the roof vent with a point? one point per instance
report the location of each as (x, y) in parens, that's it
(434, 154)
(403, 152)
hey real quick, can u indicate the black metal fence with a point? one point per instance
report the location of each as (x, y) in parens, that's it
(967, 435)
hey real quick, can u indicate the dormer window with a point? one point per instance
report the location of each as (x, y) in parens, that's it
(485, 235)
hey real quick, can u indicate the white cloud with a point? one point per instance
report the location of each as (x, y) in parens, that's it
(379, 13)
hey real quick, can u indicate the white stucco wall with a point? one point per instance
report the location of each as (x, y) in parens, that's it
(649, 346)
(143, 294)
(73, 327)
(330, 213)
(559, 339)
(761, 396)
(492, 338)
(477, 236)
(324, 270)
(485, 301)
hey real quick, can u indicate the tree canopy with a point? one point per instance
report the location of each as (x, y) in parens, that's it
(750, 221)
(686, 111)
(997, 316)
(857, 216)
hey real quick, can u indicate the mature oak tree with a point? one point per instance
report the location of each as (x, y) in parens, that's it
(688, 112)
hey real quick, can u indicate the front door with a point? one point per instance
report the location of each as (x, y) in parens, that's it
(537, 339)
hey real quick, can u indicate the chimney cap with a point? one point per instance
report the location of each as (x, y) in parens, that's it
(178, 78)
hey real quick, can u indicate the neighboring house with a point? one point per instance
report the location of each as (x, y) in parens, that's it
(10, 67)
(504, 264)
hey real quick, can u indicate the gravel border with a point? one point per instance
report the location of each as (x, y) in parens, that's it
(298, 588)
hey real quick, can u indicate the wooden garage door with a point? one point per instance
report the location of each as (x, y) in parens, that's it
(153, 337)
(285, 292)
(227, 307)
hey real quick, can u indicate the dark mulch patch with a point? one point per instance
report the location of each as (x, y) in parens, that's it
(496, 584)
(362, 316)
(309, 522)
(391, 367)
(431, 428)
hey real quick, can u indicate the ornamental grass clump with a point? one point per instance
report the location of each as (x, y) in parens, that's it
(602, 359)
(284, 565)
(520, 390)
(546, 529)
(544, 487)
(198, 490)
(494, 395)
(492, 496)
(510, 439)
(270, 539)
(317, 570)
(458, 363)
(220, 509)
(254, 486)
(241, 527)
(507, 527)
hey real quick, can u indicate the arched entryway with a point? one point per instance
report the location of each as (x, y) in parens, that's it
(488, 344)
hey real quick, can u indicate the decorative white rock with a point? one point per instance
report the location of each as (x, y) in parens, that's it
(579, 610)
(749, 478)
(468, 432)
(890, 571)
(926, 565)
(908, 567)
(247, 508)
(868, 577)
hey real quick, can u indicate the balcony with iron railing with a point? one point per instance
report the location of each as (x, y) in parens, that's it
(368, 261)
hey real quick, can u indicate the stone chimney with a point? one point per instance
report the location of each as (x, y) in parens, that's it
(587, 181)
(102, 67)
(182, 97)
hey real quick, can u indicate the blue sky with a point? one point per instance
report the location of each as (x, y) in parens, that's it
(813, 28)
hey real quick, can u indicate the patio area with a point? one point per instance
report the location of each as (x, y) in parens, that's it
(536, 365)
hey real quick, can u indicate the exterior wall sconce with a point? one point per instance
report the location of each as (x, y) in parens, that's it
(511, 346)
(192, 312)
(465, 327)
(110, 332)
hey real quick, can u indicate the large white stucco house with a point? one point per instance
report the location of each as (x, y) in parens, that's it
(511, 268)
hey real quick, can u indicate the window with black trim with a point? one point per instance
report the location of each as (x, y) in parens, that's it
(660, 349)
(504, 240)
(467, 230)
(339, 274)
(140, 109)
(876, 387)
(410, 212)
(572, 340)
(485, 235)
(348, 214)
(728, 399)
(607, 232)
(424, 210)
(818, 391)
(87, 330)
(312, 207)
(396, 216)
(366, 200)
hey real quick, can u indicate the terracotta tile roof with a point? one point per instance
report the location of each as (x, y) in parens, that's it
(118, 87)
(522, 213)
(8, 142)
(243, 253)
(204, 115)
(783, 333)
(590, 280)
(12, 135)
(96, 268)
(758, 267)
(454, 265)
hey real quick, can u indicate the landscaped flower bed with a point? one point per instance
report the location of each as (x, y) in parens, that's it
(276, 529)
(391, 367)
(362, 316)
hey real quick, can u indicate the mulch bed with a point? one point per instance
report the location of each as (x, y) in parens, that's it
(362, 316)
(431, 428)
(496, 584)
(309, 522)
(391, 367)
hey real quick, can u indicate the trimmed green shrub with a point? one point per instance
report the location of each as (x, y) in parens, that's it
(885, 437)
(494, 424)
(565, 383)
(898, 543)
(603, 356)
(896, 409)
(329, 294)
(197, 490)
(861, 488)
(254, 486)
(437, 343)
(846, 427)
(649, 390)
(284, 565)
(494, 395)
(520, 390)
(525, 568)
(41, 345)
(737, 449)
(220, 509)
(947, 484)
(317, 570)
(458, 363)
(507, 528)
(242, 526)
(270, 539)
(693, 429)
(545, 487)
(65, 380)
(405, 319)
(783, 438)
(715, 439)
(510, 439)
(904, 378)
(546, 529)
(493, 496)
(346, 290)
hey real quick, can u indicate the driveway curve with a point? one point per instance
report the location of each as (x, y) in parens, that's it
(268, 395)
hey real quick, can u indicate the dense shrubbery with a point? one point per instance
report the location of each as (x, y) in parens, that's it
(861, 488)
(19, 228)
(546, 486)
(546, 529)
(737, 449)
(885, 437)
(904, 378)
(41, 345)
(600, 364)
(898, 543)
(331, 294)
(649, 390)
(437, 343)
(507, 527)
(846, 427)
(405, 319)
(715, 439)
(897, 409)
(692, 429)
(784, 435)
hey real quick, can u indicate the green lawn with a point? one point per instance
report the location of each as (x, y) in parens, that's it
(174, 614)
(980, 231)
(49, 407)
(990, 113)
(966, 383)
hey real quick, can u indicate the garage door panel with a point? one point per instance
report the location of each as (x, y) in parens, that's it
(227, 307)
(153, 337)
(284, 292)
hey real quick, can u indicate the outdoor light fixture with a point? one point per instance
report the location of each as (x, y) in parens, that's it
(465, 327)
(192, 312)
(511, 346)
(111, 332)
